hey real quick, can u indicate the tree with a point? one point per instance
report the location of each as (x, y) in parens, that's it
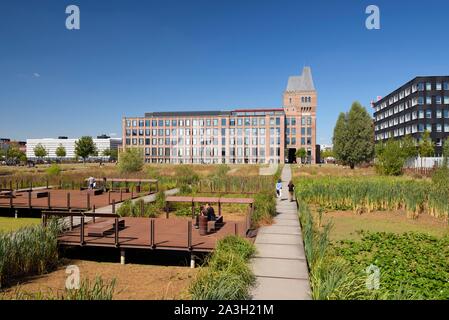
(339, 137)
(426, 145)
(301, 153)
(131, 160)
(40, 151)
(390, 158)
(14, 154)
(85, 148)
(446, 148)
(326, 154)
(408, 147)
(354, 136)
(60, 151)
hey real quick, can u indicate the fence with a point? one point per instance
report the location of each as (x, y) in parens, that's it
(423, 162)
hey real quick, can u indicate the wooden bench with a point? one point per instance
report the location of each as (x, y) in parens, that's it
(39, 194)
(100, 228)
(215, 225)
(7, 194)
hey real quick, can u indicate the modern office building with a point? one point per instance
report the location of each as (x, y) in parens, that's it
(420, 105)
(51, 144)
(265, 135)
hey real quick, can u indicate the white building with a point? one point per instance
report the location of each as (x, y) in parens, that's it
(51, 144)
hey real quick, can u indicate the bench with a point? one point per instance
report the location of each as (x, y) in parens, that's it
(100, 228)
(215, 225)
(40, 194)
(7, 194)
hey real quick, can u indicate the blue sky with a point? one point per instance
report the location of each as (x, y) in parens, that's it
(131, 57)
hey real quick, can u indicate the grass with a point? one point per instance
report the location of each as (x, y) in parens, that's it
(12, 224)
(347, 226)
(28, 251)
(226, 274)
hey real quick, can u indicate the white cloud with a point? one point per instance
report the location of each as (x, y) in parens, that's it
(36, 75)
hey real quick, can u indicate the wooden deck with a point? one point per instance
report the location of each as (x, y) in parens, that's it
(63, 199)
(166, 234)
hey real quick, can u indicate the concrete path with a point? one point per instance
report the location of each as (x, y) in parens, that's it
(280, 264)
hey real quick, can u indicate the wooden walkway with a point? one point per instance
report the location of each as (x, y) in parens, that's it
(166, 234)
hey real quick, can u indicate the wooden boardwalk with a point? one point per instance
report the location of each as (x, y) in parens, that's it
(166, 234)
(63, 199)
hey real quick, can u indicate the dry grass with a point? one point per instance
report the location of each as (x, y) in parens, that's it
(134, 282)
(330, 170)
(346, 224)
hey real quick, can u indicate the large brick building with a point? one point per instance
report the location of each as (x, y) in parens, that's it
(269, 135)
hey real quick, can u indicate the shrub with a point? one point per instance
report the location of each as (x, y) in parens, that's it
(390, 158)
(130, 160)
(227, 275)
(264, 208)
(186, 175)
(54, 170)
(28, 251)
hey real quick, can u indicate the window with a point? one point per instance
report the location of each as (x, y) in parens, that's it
(446, 113)
(161, 123)
(429, 127)
(173, 123)
(439, 114)
(438, 86)
(439, 127)
(446, 99)
(428, 100)
(438, 100)
(428, 114)
(128, 123)
(446, 85)
(428, 86)
(223, 122)
(420, 86)
(446, 127)
(420, 100)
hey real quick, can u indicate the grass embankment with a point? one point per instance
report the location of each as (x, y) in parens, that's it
(226, 275)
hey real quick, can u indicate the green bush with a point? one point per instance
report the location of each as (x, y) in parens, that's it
(28, 251)
(186, 175)
(227, 275)
(53, 170)
(134, 209)
(130, 160)
(264, 207)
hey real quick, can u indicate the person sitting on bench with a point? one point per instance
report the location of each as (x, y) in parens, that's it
(91, 182)
(210, 213)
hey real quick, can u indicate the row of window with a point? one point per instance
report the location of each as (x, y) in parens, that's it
(438, 100)
(207, 141)
(203, 132)
(422, 86)
(419, 114)
(291, 121)
(210, 152)
(438, 127)
(202, 122)
(304, 141)
(304, 131)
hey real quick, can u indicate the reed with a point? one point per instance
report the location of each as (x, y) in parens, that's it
(28, 251)
(366, 194)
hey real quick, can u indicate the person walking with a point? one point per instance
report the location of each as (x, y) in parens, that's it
(291, 190)
(279, 188)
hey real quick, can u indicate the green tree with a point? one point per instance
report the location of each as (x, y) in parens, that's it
(301, 153)
(339, 137)
(85, 148)
(131, 160)
(60, 152)
(446, 148)
(14, 153)
(354, 136)
(40, 151)
(2, 154)
(408, 147)
(426, 145)
(390, 159)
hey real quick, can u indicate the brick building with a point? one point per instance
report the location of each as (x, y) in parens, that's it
(268, 135)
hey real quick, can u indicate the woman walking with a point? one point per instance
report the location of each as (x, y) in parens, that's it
(291, 190)
(279, 188)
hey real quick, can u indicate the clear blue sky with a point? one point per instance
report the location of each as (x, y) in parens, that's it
(132, 57)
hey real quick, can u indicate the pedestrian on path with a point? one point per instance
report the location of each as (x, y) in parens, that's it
(291, 190)
(279, 188)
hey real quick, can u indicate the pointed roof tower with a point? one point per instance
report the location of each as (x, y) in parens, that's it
(304, 82)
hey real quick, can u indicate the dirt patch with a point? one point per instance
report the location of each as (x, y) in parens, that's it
(133, 282)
